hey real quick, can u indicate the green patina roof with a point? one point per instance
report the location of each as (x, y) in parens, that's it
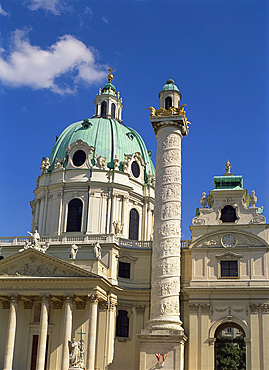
(228, 182)
(109, 88)
(170, 85)
(108, 136)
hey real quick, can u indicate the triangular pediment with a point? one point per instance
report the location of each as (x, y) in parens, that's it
(31, 263)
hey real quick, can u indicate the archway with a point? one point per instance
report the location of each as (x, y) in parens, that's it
(230, 348)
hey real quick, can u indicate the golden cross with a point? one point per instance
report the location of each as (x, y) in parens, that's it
(111, 69)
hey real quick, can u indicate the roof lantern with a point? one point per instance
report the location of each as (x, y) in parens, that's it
(169, 95)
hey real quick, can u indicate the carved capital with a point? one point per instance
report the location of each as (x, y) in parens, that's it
(94, 299)
(140, 309)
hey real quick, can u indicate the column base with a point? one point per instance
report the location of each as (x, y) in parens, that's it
(162, 349)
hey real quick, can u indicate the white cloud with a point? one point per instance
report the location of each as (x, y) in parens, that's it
(88, 11)
(3, 12)
(29, 65)
(54, 6)
(105, 19)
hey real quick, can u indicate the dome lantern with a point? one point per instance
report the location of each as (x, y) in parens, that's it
(169, 95)
(108, 103)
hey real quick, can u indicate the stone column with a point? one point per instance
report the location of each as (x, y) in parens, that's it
(67, 332)
(92, 334)
(167, 230)
(113, 206)
(43, 332)
(11, 332)
(164, 333)
(124, 216)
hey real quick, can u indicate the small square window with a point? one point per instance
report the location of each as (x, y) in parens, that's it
(229, 268)
(124, 270)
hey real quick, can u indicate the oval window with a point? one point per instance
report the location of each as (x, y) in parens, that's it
(135, 169)
(79, 158)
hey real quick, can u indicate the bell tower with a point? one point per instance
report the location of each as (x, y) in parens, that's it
(164, 334)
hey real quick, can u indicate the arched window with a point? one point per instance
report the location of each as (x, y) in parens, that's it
(113, 110)
(122, 324)
(74, 215)
(103, 109)
(133, 224)
(230, 348)
(168, 102)
(228, 214)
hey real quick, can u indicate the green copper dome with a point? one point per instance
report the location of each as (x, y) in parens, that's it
(107, 136)
(170, 85)
(109, 88)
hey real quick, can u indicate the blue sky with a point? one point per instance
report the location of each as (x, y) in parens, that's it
(54, 56)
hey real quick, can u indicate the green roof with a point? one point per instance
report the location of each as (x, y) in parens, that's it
(228, 182)
(110, 89)
(109, 138)
(170, 85)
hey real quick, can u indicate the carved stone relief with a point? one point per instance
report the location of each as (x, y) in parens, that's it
(170, 191)
(172, 140)
(170, 157)
(171, 228)
(34, 266)
(168, 175)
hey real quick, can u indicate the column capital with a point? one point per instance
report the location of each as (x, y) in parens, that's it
(13, 298)
(68, 298)
(94, 298)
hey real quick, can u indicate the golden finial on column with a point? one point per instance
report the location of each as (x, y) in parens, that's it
(110, 76)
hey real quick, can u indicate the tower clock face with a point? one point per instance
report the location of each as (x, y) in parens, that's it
(228, 241)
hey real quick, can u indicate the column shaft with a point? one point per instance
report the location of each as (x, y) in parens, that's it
(67, 332)
(92, 334)
(11, 332)
(167, 231)
(43, 332)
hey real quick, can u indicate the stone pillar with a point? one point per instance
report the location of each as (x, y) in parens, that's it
(43, 332)
(11, 332)
(164, 333)
(124, 216)
(67, 332)
(113, 206)
(92, 334)
(167, 230)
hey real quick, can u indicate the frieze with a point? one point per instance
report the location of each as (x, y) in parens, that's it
(35, 266)
(172, 140)
(171, 191)
(166, 289)
(169, 307)
(165, 268)
(168, 246)
(199, 307)
(260, 307)
(172, 156)
(228, 309)
(171, 210)
(171, 228)
(170, 175)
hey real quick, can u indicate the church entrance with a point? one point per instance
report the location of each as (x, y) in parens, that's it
(230, 348)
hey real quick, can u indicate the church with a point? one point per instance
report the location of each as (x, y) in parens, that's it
(104, 281)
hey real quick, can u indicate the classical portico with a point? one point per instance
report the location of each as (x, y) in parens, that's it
(68, 300)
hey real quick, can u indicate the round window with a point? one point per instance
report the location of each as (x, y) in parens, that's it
(79, 158)
(135, 169)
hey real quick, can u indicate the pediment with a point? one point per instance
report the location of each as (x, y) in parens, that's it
(243, 239)
(32, 263)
